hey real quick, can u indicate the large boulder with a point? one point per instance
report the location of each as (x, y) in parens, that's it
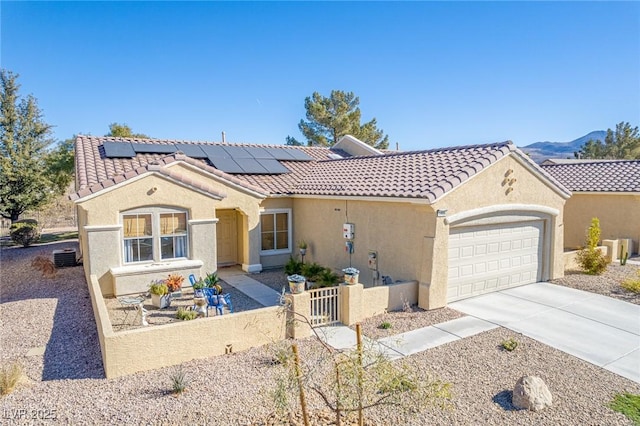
(531, 393)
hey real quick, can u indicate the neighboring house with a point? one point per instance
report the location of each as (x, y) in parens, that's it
(606, 189)
(461, 221)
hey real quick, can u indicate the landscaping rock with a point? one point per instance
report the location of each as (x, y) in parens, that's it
(531, 393)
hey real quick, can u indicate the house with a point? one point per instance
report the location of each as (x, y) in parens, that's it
(461, 221)
(606, 189)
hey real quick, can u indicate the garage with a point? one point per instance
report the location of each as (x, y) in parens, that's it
(486, 258)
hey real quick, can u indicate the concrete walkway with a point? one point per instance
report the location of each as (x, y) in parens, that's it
(252, 288)
(411, 342)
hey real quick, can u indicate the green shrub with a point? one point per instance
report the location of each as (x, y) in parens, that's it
(9, 377)
(159, 288)
(293, 267)
(327, 278)
(632, 284)
(627, 404)
(24, 232)
(385, 325)
(312, 271)
(509, 344)
(186, 315)
(590, 258)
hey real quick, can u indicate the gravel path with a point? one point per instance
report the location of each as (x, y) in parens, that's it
(67, 381)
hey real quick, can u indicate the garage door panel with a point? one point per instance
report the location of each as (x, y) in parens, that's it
(503, 256)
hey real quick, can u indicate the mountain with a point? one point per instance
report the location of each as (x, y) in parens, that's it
(540, 151)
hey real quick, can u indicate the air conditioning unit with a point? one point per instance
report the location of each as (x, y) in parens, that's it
(63, 258)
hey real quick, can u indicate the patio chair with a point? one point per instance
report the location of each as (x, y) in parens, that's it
(227, 298)
(134, 303)
(213, 300)
(192, 279)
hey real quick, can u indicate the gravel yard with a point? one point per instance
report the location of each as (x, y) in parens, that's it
(607, 284)
(48, 326)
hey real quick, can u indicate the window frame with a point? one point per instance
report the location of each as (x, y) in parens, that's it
(274, 212)
(156, 234)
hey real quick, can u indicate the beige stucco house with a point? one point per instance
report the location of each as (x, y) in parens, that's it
(461, 221)
(606, 189)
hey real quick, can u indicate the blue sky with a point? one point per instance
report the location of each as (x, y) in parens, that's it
(434, 74)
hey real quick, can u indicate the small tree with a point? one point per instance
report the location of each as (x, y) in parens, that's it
(351, 382)
(590, 258)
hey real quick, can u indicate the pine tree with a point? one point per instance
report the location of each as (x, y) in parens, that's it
(328, 119)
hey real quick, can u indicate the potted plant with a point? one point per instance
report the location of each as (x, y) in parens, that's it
(211, 280)
(351, 275)
(302, 246)
(296, 283)
(197, 288)
(160, 296)
(174, 284)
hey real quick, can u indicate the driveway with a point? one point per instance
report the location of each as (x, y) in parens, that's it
(598, 329)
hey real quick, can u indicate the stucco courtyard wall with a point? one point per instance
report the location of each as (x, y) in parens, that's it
(154, 347)
(619, 216)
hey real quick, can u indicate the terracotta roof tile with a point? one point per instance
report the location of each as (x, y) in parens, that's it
(418, 174)
(597, 176)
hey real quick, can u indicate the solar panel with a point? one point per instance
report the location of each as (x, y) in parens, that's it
(259, 153)
(251, 166)
(152, 148)
(191, 150)
(237, 152)
(225, 164)
(215, 151)
(299, 155)
(118, 150)
(273, 166)
(280, 154)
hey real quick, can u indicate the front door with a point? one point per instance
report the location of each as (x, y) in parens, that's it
(227, 237)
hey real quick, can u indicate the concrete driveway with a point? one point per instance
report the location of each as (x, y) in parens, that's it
(598, 329)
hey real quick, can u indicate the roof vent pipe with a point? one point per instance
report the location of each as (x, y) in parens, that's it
(224, 137)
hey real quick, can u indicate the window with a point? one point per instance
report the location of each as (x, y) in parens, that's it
(155, 234)
(275, 227)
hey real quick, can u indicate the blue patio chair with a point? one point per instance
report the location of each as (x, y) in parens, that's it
(192, 279)
(213, 300)
(227, 298)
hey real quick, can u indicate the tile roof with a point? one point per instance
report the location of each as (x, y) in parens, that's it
(598, 176)
(417, 174)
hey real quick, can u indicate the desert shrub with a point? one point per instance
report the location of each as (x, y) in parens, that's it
(9, 377)
(627, 404)
(509, 344)
(632, 284)
(24, 232)
(312, 271)
(179, 380)
(385, 325)
(186, 315)
(590, 258)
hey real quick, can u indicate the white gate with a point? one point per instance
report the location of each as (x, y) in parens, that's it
(325, 306)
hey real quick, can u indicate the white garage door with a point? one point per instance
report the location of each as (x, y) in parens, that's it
(487, 258)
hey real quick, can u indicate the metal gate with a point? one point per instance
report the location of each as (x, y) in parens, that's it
(325, 306)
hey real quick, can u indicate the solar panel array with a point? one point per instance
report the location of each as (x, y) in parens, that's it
(228, 158)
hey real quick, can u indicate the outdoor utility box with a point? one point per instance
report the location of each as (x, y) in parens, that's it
(348, 231)
(63, 258)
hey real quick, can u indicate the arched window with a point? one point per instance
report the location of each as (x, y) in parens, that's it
(153, 234)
